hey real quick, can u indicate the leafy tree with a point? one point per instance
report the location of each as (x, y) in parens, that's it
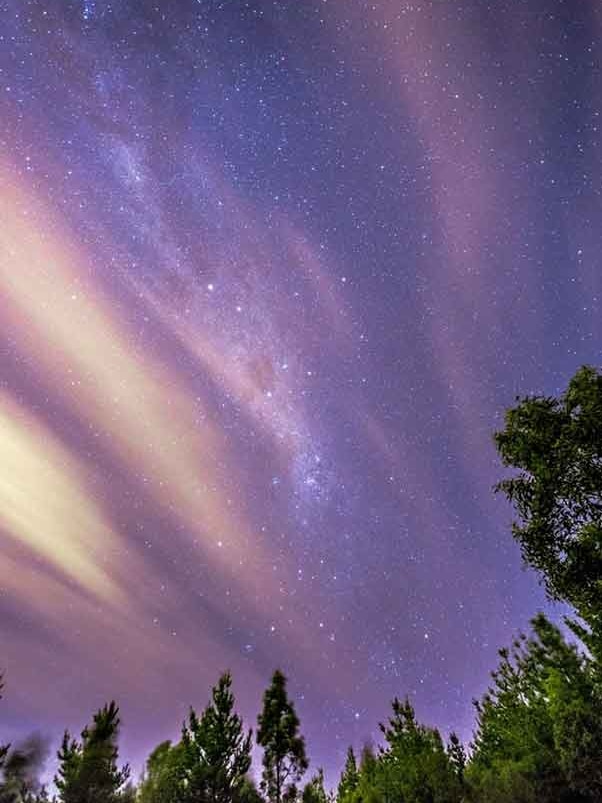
(539, 726)
(88, 771)
(415, 766)
(556, 444)
(284, 759)
(349, 778)
(215, 750)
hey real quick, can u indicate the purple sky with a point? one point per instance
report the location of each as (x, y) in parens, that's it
(270, 273)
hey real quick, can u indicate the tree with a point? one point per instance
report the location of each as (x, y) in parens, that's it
(129, 793)
(539, 726)
(556, 444)
(248, 792)
(415, 766)
(349, 777)
(88, 771)
(216, 753)
(21, 771)
(457, 756)
(284, 759)
(314, 791)
(67, 780)
(41, 797)
(163, 776)
(370, 785)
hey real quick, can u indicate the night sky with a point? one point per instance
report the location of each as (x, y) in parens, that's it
(270, 273)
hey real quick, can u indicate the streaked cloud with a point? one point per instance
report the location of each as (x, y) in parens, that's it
(45, 506)
(141, 411)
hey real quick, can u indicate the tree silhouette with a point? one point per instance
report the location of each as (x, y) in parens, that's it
(88, 771)
(216, 752)
(284, 759)
(556, 445)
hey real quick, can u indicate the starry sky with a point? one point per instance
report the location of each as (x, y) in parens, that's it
(270, 273)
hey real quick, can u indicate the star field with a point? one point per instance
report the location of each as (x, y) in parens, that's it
(270, 273)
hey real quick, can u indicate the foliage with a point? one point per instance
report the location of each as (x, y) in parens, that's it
(163, 778)
(20, 774)
(349, 778)
(284, 759)
(538, 735)
(457, 756)
(248, 792)
(530, 743)
(88, 771)
(368, 788)
(556, 444)
(216, 753)
(314, 791)
(415, 766)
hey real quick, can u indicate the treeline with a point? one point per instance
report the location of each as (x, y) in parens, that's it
(538, 732)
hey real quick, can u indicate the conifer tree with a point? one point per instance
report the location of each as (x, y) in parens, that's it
(539, 726)
(368, 761)
(349, 777)
(415, 767)
(66, 780)
(216, 751)
(88, 771)
(457, 756)
(284, 759)
(369, 787)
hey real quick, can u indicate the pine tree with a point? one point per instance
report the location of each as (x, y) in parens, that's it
(369, 786)
(415, 767)
(457, 756)
(284, 759)
(349, 777)
(66, 780)
(539, 726)
(88, 771)
(368, 761)
(216, 751)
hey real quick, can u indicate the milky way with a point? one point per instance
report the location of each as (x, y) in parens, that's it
(270, 273)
